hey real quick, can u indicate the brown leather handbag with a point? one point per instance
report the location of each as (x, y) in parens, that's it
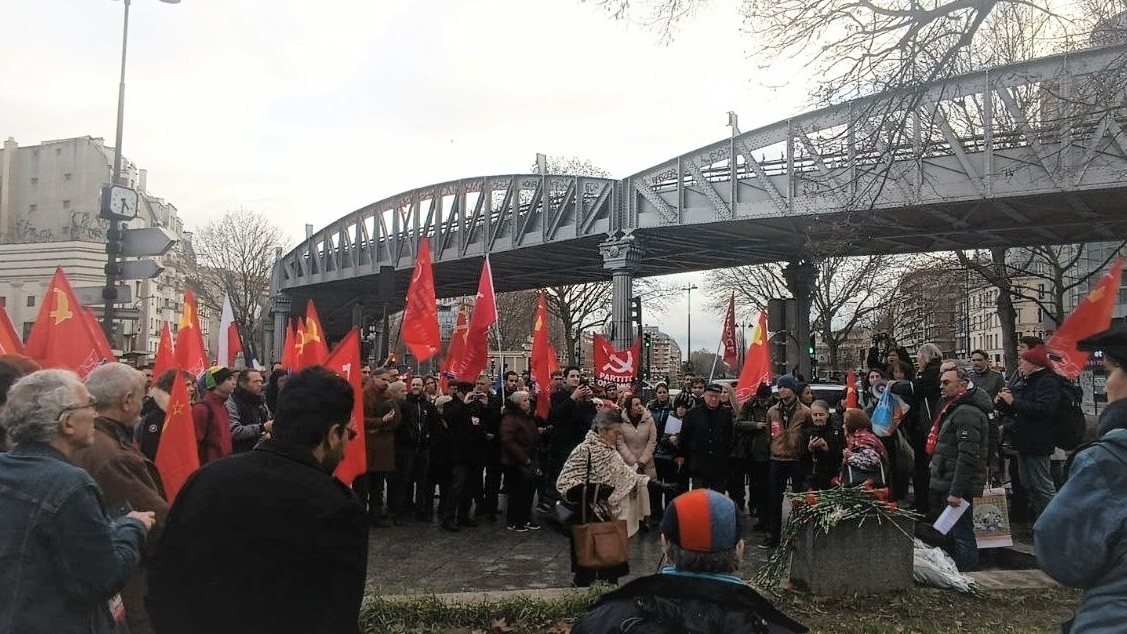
(598, 545)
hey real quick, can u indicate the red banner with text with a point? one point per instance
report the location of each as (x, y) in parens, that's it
(616, 366)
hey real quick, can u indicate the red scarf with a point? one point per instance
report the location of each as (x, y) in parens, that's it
(933, 435)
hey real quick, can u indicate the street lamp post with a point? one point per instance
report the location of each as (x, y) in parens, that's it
(689, 323)
(109, 293)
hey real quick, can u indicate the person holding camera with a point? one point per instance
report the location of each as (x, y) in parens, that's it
(519, 439)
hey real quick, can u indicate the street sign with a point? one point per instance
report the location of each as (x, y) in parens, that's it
(92, 295)
(136, 243)
(138, 270)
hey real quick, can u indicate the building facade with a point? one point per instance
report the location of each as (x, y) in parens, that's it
(50, 197)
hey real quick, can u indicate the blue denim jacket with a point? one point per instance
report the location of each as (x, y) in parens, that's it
(61, 557)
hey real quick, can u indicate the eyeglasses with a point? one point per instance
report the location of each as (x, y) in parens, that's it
(92, 403)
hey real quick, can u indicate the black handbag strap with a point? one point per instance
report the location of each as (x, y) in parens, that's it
(586, 485)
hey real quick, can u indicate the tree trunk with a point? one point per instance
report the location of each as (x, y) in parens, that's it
(1007, 315)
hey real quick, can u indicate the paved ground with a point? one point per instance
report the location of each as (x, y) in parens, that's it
(419, 558)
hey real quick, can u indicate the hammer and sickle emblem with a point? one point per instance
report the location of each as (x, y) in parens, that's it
(618, 365)
(62, 310)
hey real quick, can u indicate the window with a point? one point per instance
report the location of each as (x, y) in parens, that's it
(1040, 291)
(66, 204)
(27, 326)
(3, 302)
(31, 301)
(66, 176)
(32, 207)
(34, 180)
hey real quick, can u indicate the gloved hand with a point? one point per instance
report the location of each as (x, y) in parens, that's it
(901, 387)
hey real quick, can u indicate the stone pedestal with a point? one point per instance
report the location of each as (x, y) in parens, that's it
(621, 254)
(854, 558)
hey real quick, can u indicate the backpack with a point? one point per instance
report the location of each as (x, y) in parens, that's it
(1071, 424)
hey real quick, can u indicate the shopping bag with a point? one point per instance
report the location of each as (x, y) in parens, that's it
(883, 414)
(992, 519)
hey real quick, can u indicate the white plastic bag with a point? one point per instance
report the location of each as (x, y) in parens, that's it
(933, 567)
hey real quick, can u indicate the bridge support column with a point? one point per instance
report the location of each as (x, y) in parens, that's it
(801, 276)
(281, 311)
(621, 255)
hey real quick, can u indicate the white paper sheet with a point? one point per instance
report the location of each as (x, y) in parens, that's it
(949, 516)
(672, 425)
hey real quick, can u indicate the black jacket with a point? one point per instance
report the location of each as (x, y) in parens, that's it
(823, 465)
(571, 420)
(706, 439)
(958, 466)
(420, 418)
(248, 414)
(1035, 409)
(922, 394)
(264, 541)
(671, 604)
(466, 441)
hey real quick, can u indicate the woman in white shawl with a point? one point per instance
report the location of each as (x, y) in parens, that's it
(636, 444)
(596, 461)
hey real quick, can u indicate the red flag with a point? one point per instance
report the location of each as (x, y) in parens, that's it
(166, 358)
(851, 388)
(1091, 316)
(9, 341)
(314, 348)
(757, 363)
(94, 329)
(484, 315)
(177, 456)
(456, 348)
(728, 336)
(544, 360)
(289, 349)
(345, 361)
(613, 365)
(61, 336)
(420, 318)
(190, 352)
(229, 343)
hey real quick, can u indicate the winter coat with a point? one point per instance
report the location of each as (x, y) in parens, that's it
(1081, 537)
(786, 435)
(519, 438)
(420, 418)
(129, 482)
(660, 413)
(958, 466)
(152, 422)
(638, 443)
(706, 440)
(1035, 410)
(989, 381)
(213, 427)
(922, 396)
(264, 541)
(823, 465)
(607, 468)
(571, 420)
(674, 602)
(380, 436)
(466, 440)
(751, 442)
(248, 415)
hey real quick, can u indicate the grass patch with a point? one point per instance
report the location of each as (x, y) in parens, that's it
(913, 611)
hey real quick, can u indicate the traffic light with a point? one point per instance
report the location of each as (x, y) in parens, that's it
(646, 340)
(813, 345)
(636, 311)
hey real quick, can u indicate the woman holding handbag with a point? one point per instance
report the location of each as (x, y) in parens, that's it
(597, 481)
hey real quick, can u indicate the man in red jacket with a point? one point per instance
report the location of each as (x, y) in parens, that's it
(213, 423)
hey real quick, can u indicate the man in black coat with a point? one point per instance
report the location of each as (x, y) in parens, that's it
(413, 440)
(1032, 408)
(269, 540)
(922, 394)
(706, 440)
(466, 434)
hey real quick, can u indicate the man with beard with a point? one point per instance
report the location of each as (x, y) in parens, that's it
(247, 409)
(412, 454)
(269, 540)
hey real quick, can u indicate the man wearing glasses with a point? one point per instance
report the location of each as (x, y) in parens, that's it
(269, 540)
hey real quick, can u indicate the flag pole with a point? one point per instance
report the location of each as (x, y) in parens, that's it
(715, 358)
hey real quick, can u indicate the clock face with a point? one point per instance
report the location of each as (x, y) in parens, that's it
(123, 201)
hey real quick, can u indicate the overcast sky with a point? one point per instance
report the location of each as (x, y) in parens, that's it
(309, 110)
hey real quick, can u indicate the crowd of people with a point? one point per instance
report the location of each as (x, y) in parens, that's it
(102, 546)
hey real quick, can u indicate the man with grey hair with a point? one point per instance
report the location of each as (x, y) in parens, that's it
(65, 557)
(698, 591)
(127, 478)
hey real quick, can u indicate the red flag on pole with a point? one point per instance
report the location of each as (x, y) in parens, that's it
(94, 329)
(484, 315)
(1091, 316)
(731, 350)
(229, 343)
(177, 455)
(345, 361)
(314, 348)
(61, 336)
(289, 349)
(851, 388)
(9, 341)
(420, 318)
(166, 358)
(544, 360)
(456, 348)
(191, 355)
(613, 365)
(757, 363)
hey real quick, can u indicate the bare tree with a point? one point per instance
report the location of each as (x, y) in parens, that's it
(571, 165)
(235, 254)
(1050, 273)
(751, 285)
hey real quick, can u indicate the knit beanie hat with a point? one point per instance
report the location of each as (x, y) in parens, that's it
(1037, 355)
(215, 375)
(702, 521)
(788, 380)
